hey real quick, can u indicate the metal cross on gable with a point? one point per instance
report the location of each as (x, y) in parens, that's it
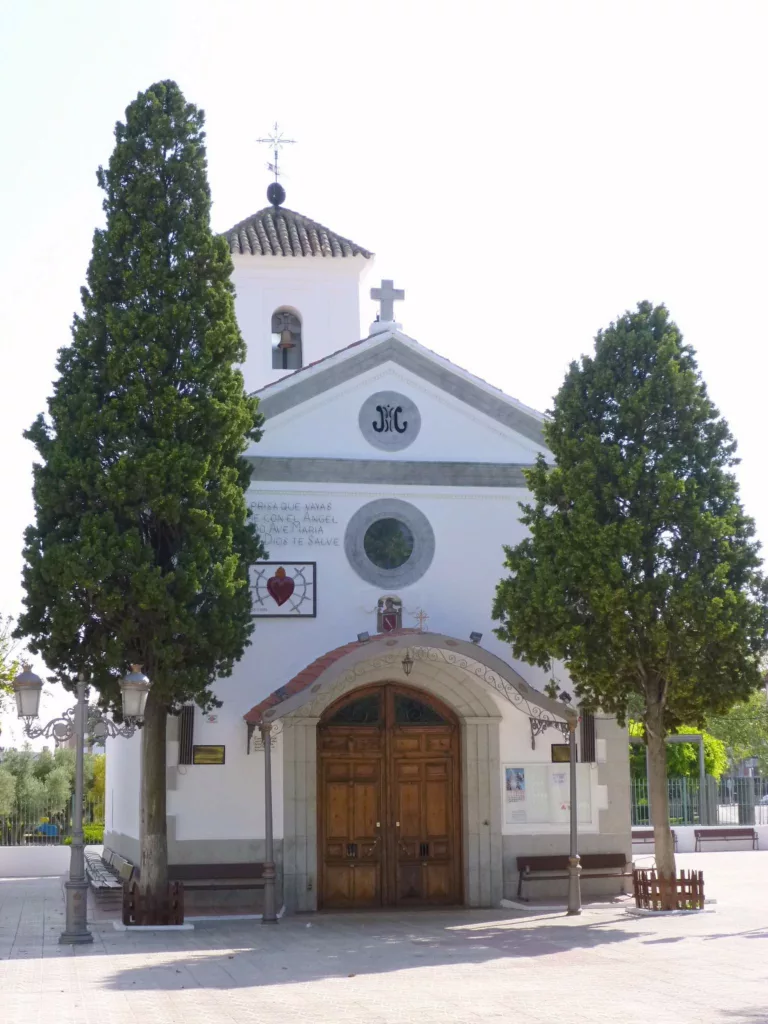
(387, 295)
(275, 141)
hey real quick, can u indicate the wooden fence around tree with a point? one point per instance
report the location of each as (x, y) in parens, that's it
(654, 891)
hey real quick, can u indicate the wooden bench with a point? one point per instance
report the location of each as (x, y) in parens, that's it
(217, 877)
(645, 837)
(594, 865)
(725, 835)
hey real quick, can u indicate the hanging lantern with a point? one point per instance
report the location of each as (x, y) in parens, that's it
(27, 687)
(135, 689)
(407, 663)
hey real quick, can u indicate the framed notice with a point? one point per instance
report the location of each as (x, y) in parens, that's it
(209, 754)
(539, 794)
(561, 753)
(281, 590)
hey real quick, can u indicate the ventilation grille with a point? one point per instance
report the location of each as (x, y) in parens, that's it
(186, 733)
(588, 737)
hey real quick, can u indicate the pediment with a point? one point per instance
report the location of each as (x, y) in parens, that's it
(395, 348)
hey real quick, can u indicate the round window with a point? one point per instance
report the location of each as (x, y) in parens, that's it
(388, 543)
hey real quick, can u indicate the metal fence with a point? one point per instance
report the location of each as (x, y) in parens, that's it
(30, 824)
(727, 801)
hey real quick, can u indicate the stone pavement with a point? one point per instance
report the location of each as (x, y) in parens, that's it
(395, 968)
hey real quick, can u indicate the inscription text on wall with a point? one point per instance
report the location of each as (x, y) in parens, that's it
(300, 524)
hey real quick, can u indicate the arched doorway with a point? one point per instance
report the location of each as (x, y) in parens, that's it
(389, 800)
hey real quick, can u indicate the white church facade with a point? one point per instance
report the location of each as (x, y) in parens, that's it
(413, 760)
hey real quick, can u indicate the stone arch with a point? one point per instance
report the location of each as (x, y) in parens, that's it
(479, 716)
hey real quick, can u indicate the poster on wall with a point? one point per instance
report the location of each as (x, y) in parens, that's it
(539, 794)
(283, 590)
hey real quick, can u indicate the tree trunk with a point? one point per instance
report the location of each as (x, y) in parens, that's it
(655, 737)
(153, 879)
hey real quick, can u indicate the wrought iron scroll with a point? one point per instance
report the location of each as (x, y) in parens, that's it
(65, 727)
(255, 741)
(538, 725)
(540, 718)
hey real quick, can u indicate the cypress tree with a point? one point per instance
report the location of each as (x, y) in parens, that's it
(142, 538)
(641, 571)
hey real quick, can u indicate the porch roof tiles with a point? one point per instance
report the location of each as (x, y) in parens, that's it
(312, 672)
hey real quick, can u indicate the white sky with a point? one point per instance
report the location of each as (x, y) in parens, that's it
(526, 171)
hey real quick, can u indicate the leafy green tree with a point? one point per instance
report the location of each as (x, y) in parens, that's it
(9, 663)
(7, 792)
(97, 787)
(142, 540)
(682, 758)
(42, 788)
(744, 730)
(641, 571)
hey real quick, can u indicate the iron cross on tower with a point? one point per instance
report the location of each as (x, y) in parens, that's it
(387, 295)
(275, 141)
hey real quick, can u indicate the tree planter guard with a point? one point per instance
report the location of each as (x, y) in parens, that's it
(142, 910)
(654, 891)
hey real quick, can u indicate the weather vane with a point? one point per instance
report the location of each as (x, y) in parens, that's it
(275, 141)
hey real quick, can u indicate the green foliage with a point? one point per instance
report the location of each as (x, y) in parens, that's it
(93, 835)
(142, 538)
(96, 789)
(641, 571)
(682, 758)
(9, 663)
(43, 783)
(7, 792)
(744, 730)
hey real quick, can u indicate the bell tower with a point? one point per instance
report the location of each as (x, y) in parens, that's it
(297, 290)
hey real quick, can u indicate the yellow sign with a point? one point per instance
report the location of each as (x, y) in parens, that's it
(207, 754)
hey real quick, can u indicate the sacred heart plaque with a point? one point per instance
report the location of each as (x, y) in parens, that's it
(280, 587)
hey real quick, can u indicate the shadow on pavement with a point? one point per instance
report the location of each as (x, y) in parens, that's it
(342, 946)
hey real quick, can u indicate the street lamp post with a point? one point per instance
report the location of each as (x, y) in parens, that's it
(574, 861)
(28, 688)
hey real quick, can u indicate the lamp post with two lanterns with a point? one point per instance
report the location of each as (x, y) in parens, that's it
(75, 722)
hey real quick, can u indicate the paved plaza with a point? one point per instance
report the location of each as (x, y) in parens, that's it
(414, 968)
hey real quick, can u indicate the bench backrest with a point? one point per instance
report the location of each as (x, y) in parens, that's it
(647, 833)
(591, 861)
(603, 860)
(126, 871)
(197, 872)
(723, 833)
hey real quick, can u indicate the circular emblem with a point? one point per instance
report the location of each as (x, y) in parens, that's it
(389, 420)
(389, 543)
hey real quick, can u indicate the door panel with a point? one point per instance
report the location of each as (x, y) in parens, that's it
(425, 850)
(352, 802)
(389, 802)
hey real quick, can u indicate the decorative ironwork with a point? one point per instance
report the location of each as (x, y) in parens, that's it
(390, 661)
(255, 740)
(365, 710)
(409, 711)
(502, 686)
(61, 729)
(539, 725)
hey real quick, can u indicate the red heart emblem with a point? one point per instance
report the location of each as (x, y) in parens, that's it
(280, 587)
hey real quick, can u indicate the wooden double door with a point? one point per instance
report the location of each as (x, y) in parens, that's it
(389, 801)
